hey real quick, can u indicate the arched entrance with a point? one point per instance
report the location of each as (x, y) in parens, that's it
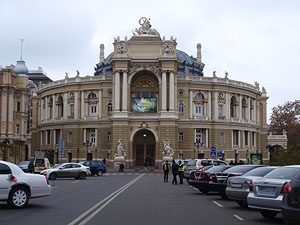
(144, 148)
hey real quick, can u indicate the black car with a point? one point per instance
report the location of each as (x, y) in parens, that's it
(218, 181)
(291, 201)
(26, 166)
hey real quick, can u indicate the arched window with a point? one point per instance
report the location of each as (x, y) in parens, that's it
(109, 109)
(233, 107)
(180, 108)
(50, 106)
(92, 103)
(199, 105)
(60, 106)
(244, 108)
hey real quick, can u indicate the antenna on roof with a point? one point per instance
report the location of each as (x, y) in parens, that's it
(22, 40)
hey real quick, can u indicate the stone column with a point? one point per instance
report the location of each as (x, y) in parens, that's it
(96, 137)
(241, 107)
(3, 107)
(117, 91)
(171, 92)
(23, 102)
(66, 113)
(84, 135)
(53, 107)
(82, 105)
(11, 107)
(191, 104)
(249, 109)
(164, 91)
(76, 106)
(254, 110)
(209, 105)
(100, 104)
(227, 106)
(46, 108)
(42, 109)
(216, 106)
(206, 137)
(124, 92)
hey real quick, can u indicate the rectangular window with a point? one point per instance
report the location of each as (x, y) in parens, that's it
(42, 138)
(108, 136)
(180, 136)
(222, 138)
(92, 136)
(198, 136)
(152, 95)
(48, 133)
(18, 106)
(57, 136)
(235, 137)
(93, 109)
(17, 129)
(253, 138)
(72, 110)
(138, 94)
(246, 138)
(220, 110)
(70, 137)
(145, 94)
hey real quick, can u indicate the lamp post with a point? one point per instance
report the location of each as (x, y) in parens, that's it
(96, 153)
(197, 144)
(87, 144)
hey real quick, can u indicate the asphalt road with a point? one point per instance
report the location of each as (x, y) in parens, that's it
(129, 198)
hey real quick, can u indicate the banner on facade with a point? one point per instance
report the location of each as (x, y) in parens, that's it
(144, 105)
(256, 159)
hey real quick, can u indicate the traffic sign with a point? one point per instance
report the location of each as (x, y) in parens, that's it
(213, 154)
(220, 154)
(213, 149)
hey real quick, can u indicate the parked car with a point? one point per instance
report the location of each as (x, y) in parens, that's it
(238, 187)
(218, 182)
(96, 167)
(200, 179)
(41, 164)
(67, 170)
(266, 193)
(290, 208)
(195, 164)
(26, 166)
(17, 187)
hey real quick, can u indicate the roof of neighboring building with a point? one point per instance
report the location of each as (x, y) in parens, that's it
(188, 65)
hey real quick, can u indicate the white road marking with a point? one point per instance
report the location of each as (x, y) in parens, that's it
(151, 174)
(157, 174)
(54, 187)
(74, 182)
(218, 204)
(111, 197)
(239, 218)
(196, 189)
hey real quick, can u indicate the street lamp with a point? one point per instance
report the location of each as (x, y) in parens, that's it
(197, 144)
(96, 153)
(87, 144)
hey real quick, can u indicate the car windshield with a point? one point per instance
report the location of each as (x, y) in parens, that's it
(192, 162)
(23, 163)
(39, 162)
(259, 172)
(239, 169)
(285, 173)
(216, 169)
(56, 165)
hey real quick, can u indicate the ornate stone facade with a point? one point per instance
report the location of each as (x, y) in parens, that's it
(154, 93)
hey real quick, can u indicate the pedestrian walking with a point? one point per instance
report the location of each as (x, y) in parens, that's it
(166, 169)
(180, 171)
(174, 171)
(104, 161)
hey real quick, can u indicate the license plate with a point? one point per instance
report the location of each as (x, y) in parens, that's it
(236, 185)
(266, 190)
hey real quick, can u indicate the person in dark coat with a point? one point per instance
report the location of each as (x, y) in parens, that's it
(174, 172)
(104, 161)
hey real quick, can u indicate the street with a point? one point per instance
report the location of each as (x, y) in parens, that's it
(128, 198)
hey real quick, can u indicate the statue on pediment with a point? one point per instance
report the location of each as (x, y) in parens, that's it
(145, 28)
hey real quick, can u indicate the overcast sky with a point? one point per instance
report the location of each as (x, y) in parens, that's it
(254, 40)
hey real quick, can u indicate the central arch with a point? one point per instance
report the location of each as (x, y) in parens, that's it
(144, 142)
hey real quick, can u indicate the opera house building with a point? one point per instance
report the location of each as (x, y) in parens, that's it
(144, 93)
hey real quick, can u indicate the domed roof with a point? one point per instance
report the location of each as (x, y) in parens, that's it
(188, 65)
(21, 68)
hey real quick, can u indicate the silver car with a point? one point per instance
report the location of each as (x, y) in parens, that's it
(238, 187)
(67, 170)
(266, 193)
(17, 187)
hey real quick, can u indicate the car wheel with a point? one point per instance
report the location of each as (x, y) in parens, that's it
(268, 214)
(204, 191)
(223, 195)
(243, 204)
(18, 198)
(82, 176)
(52, 176)
(99, 173)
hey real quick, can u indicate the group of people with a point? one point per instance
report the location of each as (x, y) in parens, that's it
(177, 169)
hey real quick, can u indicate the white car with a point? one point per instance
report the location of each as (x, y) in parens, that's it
(17, 187)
